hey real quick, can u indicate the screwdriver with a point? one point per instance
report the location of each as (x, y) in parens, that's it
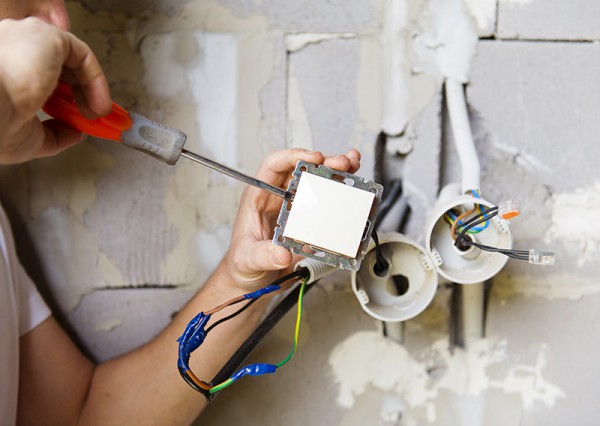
(140, 133)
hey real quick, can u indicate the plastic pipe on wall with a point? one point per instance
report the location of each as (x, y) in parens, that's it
(471, 310)
(395, 95)
(463, 138)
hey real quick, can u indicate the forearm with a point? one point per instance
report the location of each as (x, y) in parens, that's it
(145, 386)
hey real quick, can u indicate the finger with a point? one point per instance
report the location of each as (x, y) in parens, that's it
(92, 84)
(57, 138)
(276, 167)
(338, 162)
(354, 157)
(354, 154)
(263, 256)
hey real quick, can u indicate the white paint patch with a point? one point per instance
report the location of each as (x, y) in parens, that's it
(560, 286)
(214, 82)
(299, 134)
(583, 205)
(201, 67)
(447, 41)
(517, 2)
(575, 215)
(484, 14)
(530, 377)
(392, 408)
(396, 70)
(368, 358)
(296, 42)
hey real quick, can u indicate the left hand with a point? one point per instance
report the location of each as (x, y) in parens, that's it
(252, 259)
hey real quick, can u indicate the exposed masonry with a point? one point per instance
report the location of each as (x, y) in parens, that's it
(534, 126)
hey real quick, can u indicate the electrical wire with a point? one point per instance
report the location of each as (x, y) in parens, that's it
(484, 216)
(456, 221)
(195, 332)
(393, 192)
(259, 369)
(235, 314)
(246, 348)
(381, 263)
(463, 242)
(515, 254)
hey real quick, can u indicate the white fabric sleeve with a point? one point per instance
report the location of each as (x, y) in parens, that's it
(32, 310)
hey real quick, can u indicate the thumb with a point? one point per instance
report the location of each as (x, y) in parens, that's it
(265, 256)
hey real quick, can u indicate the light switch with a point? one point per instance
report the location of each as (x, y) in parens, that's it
(329, 214)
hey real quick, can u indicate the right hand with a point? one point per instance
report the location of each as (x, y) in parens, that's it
(33, 56)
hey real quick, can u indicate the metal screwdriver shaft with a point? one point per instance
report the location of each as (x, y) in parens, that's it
(237, 175)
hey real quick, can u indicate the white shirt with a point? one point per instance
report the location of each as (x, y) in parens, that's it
(21, 310)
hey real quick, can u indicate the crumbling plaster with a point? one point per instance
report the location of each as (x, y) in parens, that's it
(119, 241)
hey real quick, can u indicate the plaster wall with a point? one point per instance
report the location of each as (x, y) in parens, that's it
(118, 242)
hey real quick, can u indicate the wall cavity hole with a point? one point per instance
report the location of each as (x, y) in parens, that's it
(461, 246)
(382, 269)
(398, 285)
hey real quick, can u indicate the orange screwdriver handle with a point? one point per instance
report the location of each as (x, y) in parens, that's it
(61, 106)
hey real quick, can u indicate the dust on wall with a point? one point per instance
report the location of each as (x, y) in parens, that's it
(303, 74)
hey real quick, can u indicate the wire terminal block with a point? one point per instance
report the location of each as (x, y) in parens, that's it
(539, 257)
(508, 209)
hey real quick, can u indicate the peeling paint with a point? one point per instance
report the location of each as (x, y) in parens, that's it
(515, 2)
(575, 215)
(565, 285)
(368, 359)
(295, 42)
(447, 40)
(484, 13)
(298, 127)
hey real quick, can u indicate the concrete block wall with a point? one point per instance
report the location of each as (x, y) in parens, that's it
(118, 242)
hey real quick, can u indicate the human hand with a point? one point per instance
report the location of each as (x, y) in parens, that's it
(252, 259)
(33, 56)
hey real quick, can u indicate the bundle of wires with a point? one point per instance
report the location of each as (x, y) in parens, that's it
(456, 222)
(463, 241)
(484, 216)
(195, 333)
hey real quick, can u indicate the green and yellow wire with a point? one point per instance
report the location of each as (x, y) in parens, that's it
(260, 369)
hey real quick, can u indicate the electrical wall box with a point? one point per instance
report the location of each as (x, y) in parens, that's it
(331, 216)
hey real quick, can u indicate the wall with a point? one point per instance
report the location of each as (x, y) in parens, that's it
(119, 241)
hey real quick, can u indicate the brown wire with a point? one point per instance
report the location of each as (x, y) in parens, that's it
(458, 219)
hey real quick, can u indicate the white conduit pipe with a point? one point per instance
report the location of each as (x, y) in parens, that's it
(463, 138)
(472, 313)
(395, 86)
